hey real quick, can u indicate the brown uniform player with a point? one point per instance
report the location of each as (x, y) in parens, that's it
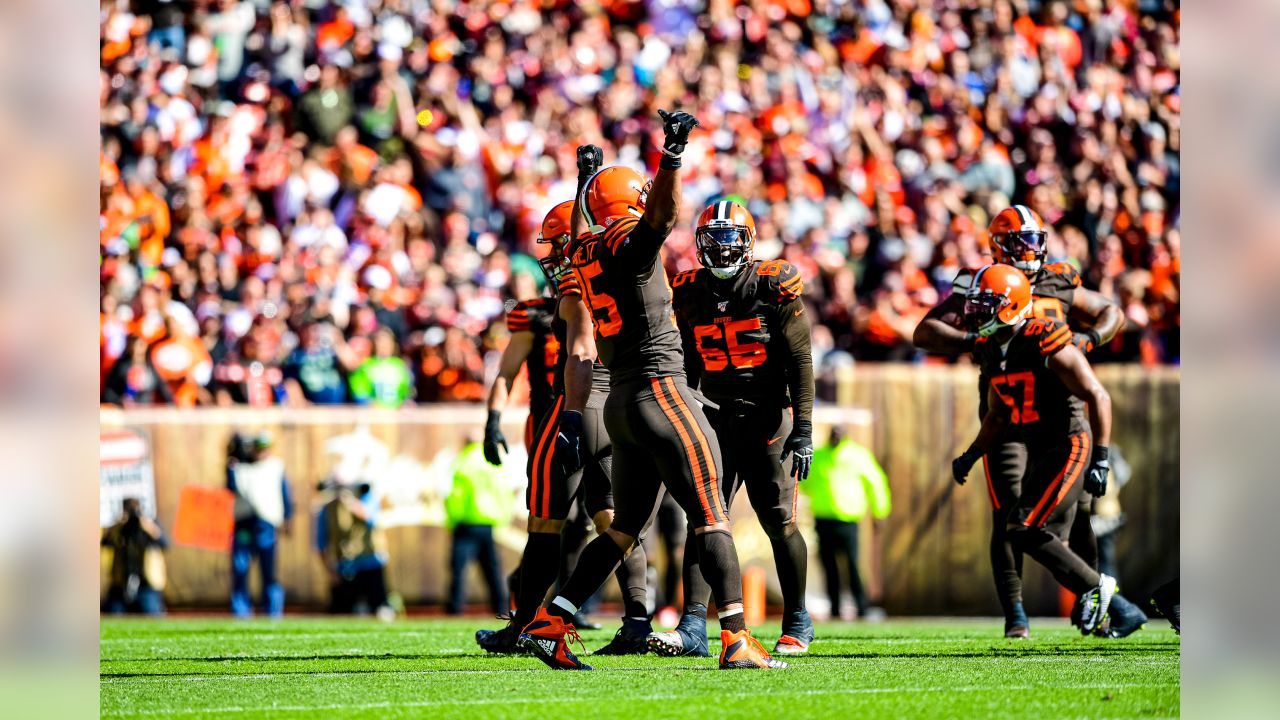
(746, 345)
(1018, 238)
(660, 436)
(553, 489)
(1039, 384)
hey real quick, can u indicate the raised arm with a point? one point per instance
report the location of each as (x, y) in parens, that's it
(663, 206)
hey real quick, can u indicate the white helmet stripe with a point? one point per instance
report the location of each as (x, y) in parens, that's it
(722, 210)
(1028, 220)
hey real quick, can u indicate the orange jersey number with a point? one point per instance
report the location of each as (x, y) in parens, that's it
(740, 354)
(604, 310)
(1004, 385)
(1046, 307)
(772, 267)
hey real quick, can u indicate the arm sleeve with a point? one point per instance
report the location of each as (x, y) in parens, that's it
(634, 243)
(799, 360)
(518, 318)
(231, 478)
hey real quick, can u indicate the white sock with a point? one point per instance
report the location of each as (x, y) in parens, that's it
(565, 605)
(728, 613)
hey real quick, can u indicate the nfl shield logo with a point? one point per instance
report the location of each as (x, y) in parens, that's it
(723, 305)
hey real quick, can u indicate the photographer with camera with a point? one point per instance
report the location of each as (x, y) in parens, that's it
(263, 510)
(137, 565)
(353, 549)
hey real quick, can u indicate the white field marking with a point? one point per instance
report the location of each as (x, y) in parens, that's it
(445, 703)
(257, 636)
(230, 677)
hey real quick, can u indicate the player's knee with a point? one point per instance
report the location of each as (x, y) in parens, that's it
(778, 525)
(621, 539)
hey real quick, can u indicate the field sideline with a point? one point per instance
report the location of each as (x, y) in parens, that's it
(320, 667)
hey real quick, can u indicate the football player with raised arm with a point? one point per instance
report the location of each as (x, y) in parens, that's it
(660, 435)
(553, 487)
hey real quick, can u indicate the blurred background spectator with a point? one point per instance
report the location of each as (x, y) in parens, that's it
(263, 510)
(268, 166)
(136, 543)
(844, 484)
(478, 501)
(353, 550)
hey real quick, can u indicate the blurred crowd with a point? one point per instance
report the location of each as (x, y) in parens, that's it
(333, 201)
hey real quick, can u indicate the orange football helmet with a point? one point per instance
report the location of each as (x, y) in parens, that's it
(725, 238)
(1018, 238)
(556, 228)
(998, 297)
(610, 195)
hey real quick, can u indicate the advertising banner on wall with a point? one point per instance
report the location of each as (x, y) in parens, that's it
(124, 471)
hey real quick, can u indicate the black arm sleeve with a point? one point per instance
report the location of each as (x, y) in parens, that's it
(799, 362)
(640, 248)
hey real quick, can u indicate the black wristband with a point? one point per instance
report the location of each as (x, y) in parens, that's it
(803, 428)
(572, 418)
(495, 417)
(1101, 452)
(669, 162)
(1094, 338)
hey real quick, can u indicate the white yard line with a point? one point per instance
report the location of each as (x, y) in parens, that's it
(509, 700)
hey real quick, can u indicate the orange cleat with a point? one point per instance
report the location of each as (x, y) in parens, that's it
(741, 650)
(547, 638)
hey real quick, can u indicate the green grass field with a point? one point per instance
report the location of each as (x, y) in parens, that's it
(317, 667)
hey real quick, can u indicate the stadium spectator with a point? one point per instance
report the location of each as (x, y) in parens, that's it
(313, 372)
(137, 563)
(845, 482)
(477, 502)
(384, 379)
(312, 160)
(353, 550)
(263, 511)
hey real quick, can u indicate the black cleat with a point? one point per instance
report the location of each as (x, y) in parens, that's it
(1167, 601)
(624, 643)
(502, 641)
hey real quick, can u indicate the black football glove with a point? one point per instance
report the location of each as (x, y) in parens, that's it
(676, 126)
(1095, 483)
(590, 158)
(1086, 341)
(494, 439)
(961, 466)
(800, 442)
(568, 452)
